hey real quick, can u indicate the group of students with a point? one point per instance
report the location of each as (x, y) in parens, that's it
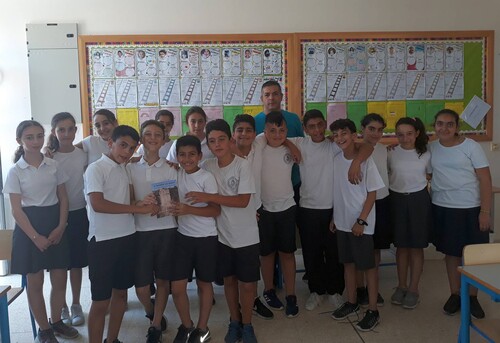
(236, 213)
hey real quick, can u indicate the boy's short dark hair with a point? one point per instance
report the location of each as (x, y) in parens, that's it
(154, 123)
(342, 124)
(311, 114)
(372, 117)
(162, 113)
(244, 118)
(271, 83)
(124, 131)
(275, 117)
(188, 140)
(218, 125)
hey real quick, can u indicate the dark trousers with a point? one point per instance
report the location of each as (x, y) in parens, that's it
(319, 249)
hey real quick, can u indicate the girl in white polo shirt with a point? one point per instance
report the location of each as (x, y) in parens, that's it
(39, 204)
(409, 167)
(73, 162)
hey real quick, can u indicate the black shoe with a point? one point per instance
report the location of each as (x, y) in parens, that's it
(199, 336)
(182, 334)
(380, 300)
(476, 310)
(362, 294)
(261, 310)
(452, 306)
(291, 310)
(164, 322)
(369, 321)
(154, 335)
(114, 341)
(346, 310)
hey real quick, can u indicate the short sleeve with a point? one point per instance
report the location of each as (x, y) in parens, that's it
(373, 180)
(172, 153)
(477, 155)
(12, 183)
(61, 175)
(210, 184)
(94, 180)
(86, 144)
(247, 182)
(335, 149)
(428, 165)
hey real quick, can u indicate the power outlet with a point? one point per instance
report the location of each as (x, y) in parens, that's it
(494, 146)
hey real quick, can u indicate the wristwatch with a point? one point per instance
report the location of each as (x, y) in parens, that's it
(361, 222)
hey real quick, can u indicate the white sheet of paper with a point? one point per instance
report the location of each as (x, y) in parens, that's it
(475, 111)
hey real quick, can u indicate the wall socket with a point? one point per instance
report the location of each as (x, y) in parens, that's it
(494, 146)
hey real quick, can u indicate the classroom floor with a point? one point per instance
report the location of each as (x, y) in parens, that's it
(426, 323)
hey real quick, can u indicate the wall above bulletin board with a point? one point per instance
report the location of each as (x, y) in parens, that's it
(397, 74)
(135, 76)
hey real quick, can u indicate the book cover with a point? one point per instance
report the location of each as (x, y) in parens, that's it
(165, 193)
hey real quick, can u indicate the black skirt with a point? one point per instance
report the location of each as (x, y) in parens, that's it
(26, 257)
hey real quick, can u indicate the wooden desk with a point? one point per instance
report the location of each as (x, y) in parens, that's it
(4, 315)
(495, 214)
(486, 277)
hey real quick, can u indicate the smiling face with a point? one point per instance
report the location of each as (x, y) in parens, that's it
(271, 98)
(344, 138)
(372, 132)
(407, 135)
(188, 158)
(316, 127)
(104, 126)
(219, 143)
(65, 131)
(196, 123)
(32, 139)
(152, 138)
(446, 128)
(122, 149)
(244, 134)
(275, 135)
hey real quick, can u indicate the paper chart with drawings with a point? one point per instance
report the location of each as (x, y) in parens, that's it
(231, 61)
(147, 90)
(454, 85)
(168, 62)
(376, 57)
(356, 58)
(252, 61)
(316, 88)
(316, 59)
(124, 63)
(251, 90)
(434, 57)
(210, 61)
(146, 62)
(336, 87)
(232, 91)
(356, 87)
(102, 62)
(396, 57)
(272, 61)
(376, 86)
(211, 91)
(396, 86)
(103, 93)
(454, 57)
(126, 93)
(170, 91)
(415, 85)
(415, 57)
(189, 59)
(434, 85)
(191, 91)
(335, 55)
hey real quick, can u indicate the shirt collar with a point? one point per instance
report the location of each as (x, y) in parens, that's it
(157, 164)
(23, 164)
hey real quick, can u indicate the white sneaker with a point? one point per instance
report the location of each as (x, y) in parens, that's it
(336, 300)
(313, 301)
(65, 315)
(77, 317)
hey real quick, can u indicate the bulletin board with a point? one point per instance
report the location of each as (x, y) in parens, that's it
(397, 74)
(135, 76)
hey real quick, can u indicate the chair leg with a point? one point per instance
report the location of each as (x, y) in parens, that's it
(24, 284)
(4, 320)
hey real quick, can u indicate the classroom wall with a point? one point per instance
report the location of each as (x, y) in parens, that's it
(96, 17)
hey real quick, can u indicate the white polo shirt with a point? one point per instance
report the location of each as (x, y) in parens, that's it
(276, 187)
(200, 181)
(206, 153)
(163, 152)
(142, 176)
(349, 199)
(37, 186)
(408, 171)
(94, 146)
(379, 156)
(111, 179)
(73, 164)
(237, 227)
(254, 158)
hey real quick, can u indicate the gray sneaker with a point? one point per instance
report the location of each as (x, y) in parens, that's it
(410, 300)
(46, 336)
(398, 296)
(62, 330)
(77, 317)
(65, 317)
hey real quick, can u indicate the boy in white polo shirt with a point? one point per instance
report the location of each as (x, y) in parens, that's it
(354, 218)
(196, 243)
(155, 237)
(238, 249)
(111, 233)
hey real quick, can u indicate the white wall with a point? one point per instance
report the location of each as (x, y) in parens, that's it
(223, 16)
